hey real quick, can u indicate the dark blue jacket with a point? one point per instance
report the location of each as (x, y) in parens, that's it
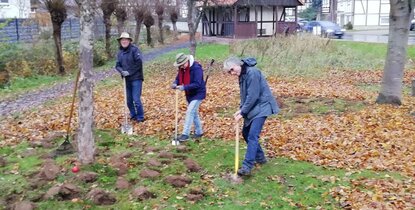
(196, 90)
(130, 59)
(256, 96)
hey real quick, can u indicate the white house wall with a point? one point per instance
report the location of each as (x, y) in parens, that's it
(15, 9)
(267, 15)
(363, 12)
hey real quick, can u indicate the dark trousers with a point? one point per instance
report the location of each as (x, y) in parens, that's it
(134, 89)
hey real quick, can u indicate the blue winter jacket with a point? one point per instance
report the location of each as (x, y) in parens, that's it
(256, 97)
(196, 90)
(130, 59)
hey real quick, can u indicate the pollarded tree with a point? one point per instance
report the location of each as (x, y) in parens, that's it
(108, 8)
(139, 8)
(85, 138)
(193, 19)
(148, 22)
(401, 13)
(174, 16)
(58, 14)
(121, 14)
(160, 12)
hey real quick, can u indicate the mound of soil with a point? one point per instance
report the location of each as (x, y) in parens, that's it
(165, 154)
(23, 205)
(49, 170)
(178, 181)
(147, 173)
(191, 165)
(64, 192)
(122, 183)
(100, 197)
(142, 193)
(153, 163)
(87, 177)
(195, 195)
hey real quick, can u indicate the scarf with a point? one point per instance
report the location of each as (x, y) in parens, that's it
(184, 76)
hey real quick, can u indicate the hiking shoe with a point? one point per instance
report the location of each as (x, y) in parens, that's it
(183, 138)
(244, 171)
(197, 136)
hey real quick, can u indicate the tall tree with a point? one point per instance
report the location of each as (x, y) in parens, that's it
(148, 22)
(401, 13)
(58, 15)
(160, 12)
(108, 8)
(121, 14)
(193, 19)
(139, 8)
(174, 16)
(85, 138)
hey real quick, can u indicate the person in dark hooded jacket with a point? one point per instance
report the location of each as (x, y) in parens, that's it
(130, 65)
(190, 80)
(257, 103)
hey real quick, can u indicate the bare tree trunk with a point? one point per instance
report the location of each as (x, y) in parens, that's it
(191, 25)
(160, 25)
(120, 25)
(107, 22)
(137, 31)
(58, 44)
(86, 144)
(149, 41)
(193, 22)
(401, 12)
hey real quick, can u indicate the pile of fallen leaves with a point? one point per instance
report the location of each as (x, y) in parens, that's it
(379, 137)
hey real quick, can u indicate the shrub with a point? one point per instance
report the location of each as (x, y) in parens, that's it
(349, 26)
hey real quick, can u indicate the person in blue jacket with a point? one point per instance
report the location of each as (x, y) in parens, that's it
(257, 103)
(190, 80)
(130, 65)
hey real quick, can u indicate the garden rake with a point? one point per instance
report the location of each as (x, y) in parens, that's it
(66, 147)
(126, 127)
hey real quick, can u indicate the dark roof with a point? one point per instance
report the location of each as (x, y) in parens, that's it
(256, 2)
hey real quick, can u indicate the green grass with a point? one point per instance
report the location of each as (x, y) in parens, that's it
(280, 184)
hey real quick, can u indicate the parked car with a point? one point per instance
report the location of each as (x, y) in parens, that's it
(328, 29)
(412, 27)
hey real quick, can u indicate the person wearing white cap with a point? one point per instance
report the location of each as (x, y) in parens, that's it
(130, 65)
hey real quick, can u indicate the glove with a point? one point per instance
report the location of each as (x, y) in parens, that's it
(173, 86)
(180, 87)
(125, 73)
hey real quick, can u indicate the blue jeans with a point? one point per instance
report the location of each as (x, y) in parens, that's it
(192, 116)
(254, 152)
(134, 104)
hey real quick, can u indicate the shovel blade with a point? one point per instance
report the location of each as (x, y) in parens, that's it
(127, 129)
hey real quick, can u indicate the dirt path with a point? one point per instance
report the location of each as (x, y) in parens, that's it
(36, 98)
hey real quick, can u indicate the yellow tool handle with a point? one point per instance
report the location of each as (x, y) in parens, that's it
(236, 147)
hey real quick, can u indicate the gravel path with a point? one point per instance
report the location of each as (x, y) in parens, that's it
(34, 99)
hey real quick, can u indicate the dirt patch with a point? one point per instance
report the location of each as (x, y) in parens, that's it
(142, 193)
(195, 194)
(178, 181)
(147, 173)
(122, 183)
(153, 163)
(121, 168)
(49, 170)
(28, 152)
(165, 154)
(182, 148)
(23, 205)
(64, 192)
(191, 165)
(151, 149)
(233, 178)
(100, 197)
(3, 162)
(87, 177)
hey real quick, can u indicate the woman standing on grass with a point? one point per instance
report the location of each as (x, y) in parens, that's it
(257, 103)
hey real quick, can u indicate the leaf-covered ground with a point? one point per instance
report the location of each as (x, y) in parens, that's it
(331, 121)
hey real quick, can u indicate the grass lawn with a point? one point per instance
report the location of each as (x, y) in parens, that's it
(280, 184)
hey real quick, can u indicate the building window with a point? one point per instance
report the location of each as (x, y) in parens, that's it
(4, 1)
(243, 13)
